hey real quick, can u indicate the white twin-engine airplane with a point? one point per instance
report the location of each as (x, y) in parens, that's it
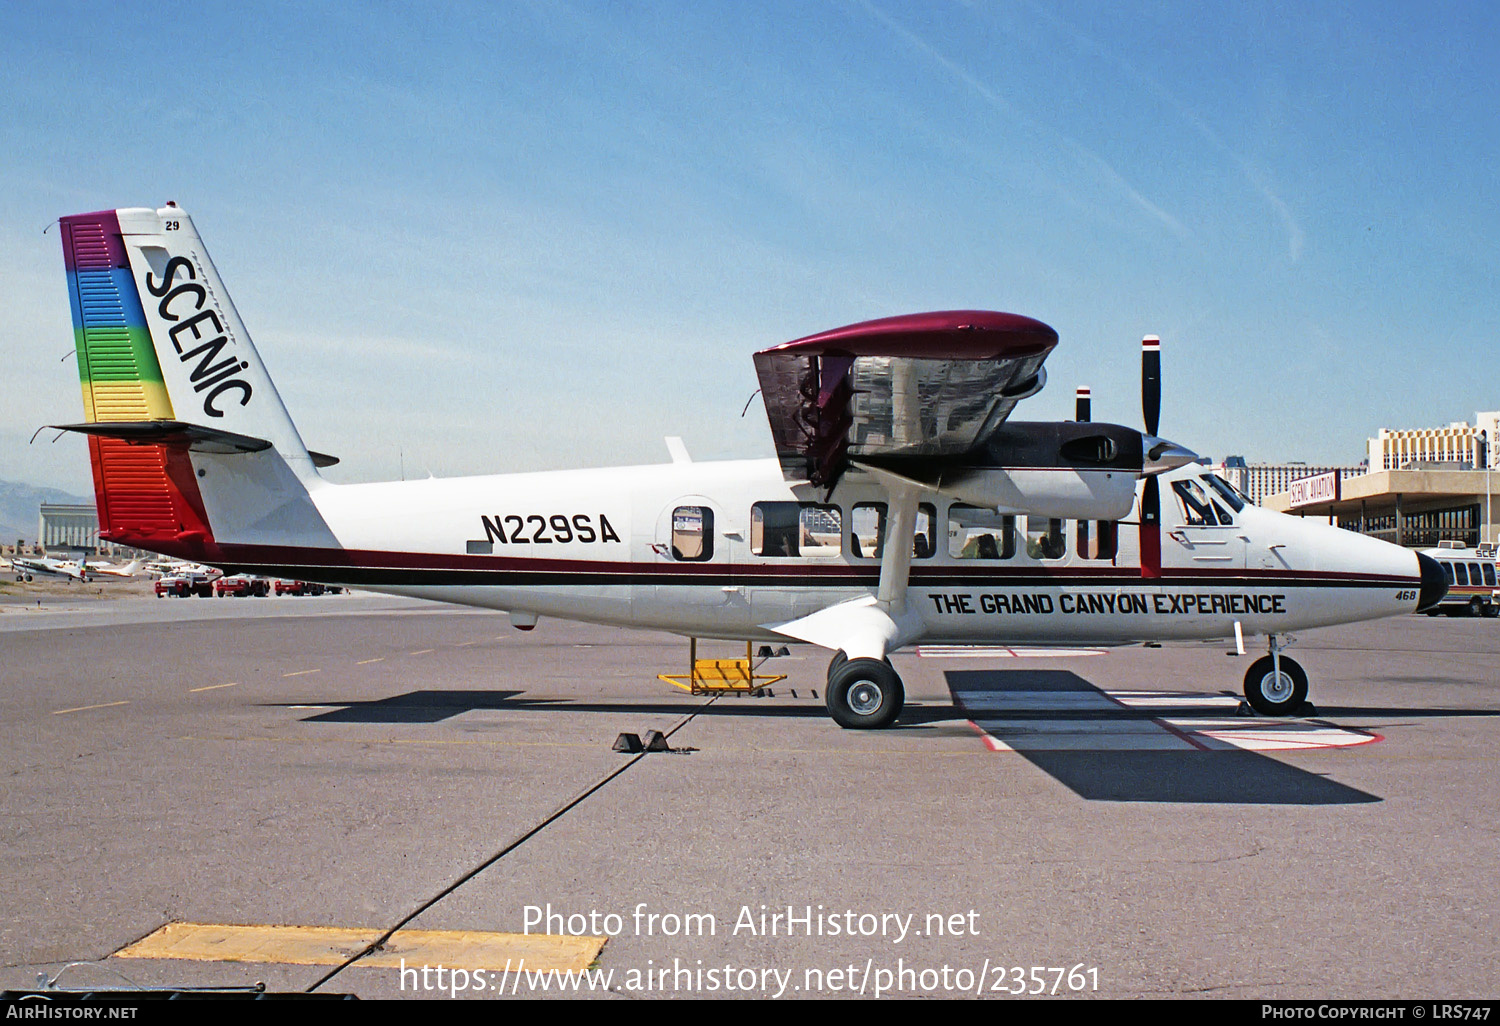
(1006, 532)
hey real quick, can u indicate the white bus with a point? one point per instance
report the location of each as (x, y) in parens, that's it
(1472, 584)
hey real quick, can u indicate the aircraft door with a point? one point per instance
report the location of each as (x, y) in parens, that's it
(1206, 536)
(693, 566)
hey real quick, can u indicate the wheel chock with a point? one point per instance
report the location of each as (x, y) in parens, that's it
(656, 741)
(628, 743)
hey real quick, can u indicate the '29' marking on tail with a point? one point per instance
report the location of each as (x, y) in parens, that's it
(217, 377)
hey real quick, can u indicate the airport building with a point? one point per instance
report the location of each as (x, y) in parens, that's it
(62, 525)
(1262, 480)
(1422, 486)
(1456, 446)
(74, 527)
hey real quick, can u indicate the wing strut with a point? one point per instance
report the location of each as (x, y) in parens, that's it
(872, 627)
(895, 559)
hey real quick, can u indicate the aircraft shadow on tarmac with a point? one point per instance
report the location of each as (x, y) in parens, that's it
(433, 706)
(1105, 751)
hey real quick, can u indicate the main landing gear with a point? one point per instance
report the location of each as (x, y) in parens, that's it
(1276, 685)
(863, 694)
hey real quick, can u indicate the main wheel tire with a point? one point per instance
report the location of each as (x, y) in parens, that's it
(1476, 606)
(865, 694)
(1271, 694)
(839, 659)
(1491, 611)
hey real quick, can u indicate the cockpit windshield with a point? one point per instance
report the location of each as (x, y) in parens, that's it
(1199, 506)
(1232, 495)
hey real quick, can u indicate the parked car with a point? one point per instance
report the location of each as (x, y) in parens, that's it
(298, 588)
(183, 585)
(242, 585)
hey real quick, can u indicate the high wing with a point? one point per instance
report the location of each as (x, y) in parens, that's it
(49, 566)
(918, 406)
(931, 384)
(128, 570)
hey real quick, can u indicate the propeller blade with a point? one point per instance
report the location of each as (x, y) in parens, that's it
(1151, 490)
(1151, 528)
(1151, 381)
(1083, 411)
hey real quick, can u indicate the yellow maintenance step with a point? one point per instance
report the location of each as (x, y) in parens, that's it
(716, 676)
(332, 945)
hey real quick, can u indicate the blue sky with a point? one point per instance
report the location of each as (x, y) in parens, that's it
(511, 236)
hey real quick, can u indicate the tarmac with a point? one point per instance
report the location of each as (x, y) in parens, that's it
(1094, 824)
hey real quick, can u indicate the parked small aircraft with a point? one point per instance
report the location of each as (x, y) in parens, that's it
(1004, 532)
(27, 567)
(109, 570)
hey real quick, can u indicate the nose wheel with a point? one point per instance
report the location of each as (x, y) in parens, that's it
(864, 694)
(1273, 690)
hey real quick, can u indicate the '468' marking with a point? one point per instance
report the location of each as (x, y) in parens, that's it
(537, 529)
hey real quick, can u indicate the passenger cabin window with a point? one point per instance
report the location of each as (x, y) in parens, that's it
(977, 533)
(783, 529)
(1099, 539)
(867, 531)
(1045, 539)
(693, 533)
(1198, 508)
(1489, 574)
(1448, 569)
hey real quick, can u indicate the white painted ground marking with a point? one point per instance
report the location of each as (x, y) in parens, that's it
(1017, 721)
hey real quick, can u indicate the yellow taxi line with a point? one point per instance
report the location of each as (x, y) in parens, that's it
(86, 708)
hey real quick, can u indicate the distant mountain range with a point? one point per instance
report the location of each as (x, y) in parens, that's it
(18, 508)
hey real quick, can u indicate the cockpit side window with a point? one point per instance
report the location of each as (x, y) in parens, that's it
(1198, 508)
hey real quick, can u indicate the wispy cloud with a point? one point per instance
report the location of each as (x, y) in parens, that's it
(1082, 153)
(1257, 178)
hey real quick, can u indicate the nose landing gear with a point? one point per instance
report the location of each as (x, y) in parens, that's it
(1276, 685)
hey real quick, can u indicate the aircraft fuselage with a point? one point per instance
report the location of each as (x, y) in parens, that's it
(599, 546)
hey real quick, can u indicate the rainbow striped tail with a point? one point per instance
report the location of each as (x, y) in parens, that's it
(172, 385)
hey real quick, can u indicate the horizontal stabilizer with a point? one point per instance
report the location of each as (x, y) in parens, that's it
(194, 437)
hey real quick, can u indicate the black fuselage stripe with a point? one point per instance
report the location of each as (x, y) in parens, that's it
(442, 577)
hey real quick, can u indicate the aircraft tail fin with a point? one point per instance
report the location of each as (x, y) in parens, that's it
(172, 383)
